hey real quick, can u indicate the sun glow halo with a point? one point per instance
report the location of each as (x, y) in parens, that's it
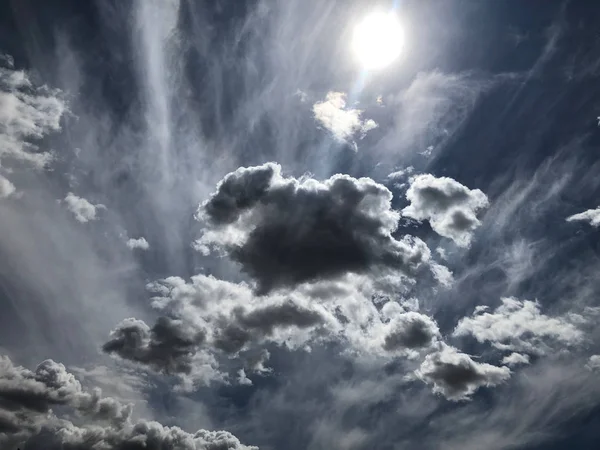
(378, 40)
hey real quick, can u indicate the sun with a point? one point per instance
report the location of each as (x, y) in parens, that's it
(378, 40)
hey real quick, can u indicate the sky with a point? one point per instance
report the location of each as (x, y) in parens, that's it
(223, 227)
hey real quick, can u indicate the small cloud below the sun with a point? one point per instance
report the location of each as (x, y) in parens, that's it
(343, 123)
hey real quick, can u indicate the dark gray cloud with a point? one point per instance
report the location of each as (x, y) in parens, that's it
(262, 322)
(410, 330)
(166, 347)
(287, 314)
(285, 231)
(456, 376)
(450, 207)
(26, 418)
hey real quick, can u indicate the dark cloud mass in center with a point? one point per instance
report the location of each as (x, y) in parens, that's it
(305, 230)
(221, 229)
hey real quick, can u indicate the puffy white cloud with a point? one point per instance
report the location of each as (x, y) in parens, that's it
(26, 418)
(456, 376)
(341, 122)
(140, 243)
(520, 325)
(591, 215)
(515, 359)
(209, 319)
(593, 362)
(285, 231)
(26, 113)
(442, 274)
(450, 207)
(6, 187)
(83, 210)
(209, 324)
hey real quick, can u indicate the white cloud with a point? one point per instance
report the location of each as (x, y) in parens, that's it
(83, 210)
(399, 174)
(140, 243)
(450, 207)
(6, 187)
(519, 325)
(441, 274)
(243, 379)
(207, 321)
(26, 113)
(591, 215)
(514, 359)
(594, 363)
(341, 122)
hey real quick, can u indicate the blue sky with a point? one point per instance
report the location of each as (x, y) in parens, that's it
(219, 229)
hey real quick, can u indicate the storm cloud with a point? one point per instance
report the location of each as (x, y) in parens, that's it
(284, 231)
(26, 418)
(456, 376)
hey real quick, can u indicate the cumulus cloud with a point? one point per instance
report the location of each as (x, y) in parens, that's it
(27, 113)
(26, 417)
(519, 325)
(6, 187)
(450, 207)
(82, 209)
(593, 362)
(456, 376)
(442, 274)
(214, 325)
(591, 215)
(140, 243)
(207, 318)
(26, 398)
(167, 347)
(515, 359)
(343, 123)
(410, 330)
(284, 231)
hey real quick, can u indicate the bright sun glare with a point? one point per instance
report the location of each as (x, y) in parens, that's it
(378, 40)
